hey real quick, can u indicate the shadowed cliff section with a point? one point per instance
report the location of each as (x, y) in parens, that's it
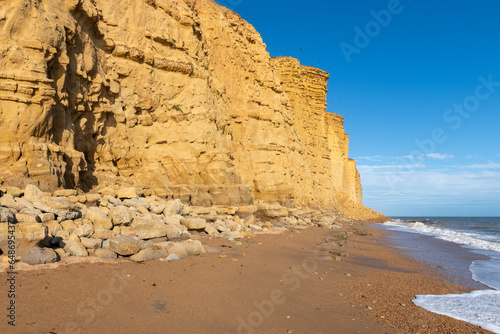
(177, 96)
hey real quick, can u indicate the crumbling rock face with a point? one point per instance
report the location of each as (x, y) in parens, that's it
(177, 95)
(321, 141)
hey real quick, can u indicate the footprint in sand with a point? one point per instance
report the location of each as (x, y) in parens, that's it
(159, 307)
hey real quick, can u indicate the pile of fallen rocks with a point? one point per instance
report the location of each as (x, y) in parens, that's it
(126, 223)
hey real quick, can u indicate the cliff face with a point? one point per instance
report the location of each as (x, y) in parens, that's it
(118, 91)
(322, 142)
(258, 110)
(177, 96)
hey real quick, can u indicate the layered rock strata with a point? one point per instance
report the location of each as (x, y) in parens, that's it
(323, 143)
(177, 98)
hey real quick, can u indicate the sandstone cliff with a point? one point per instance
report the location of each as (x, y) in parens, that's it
(178, 97)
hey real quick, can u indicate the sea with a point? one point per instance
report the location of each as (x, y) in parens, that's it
(479, 240)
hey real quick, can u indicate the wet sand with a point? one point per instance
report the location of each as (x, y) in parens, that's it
(267, 284)
(423, 266)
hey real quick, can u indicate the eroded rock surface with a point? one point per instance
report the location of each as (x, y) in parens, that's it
(177, 99)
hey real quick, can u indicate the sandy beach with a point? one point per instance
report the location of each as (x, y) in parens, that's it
(267, 284)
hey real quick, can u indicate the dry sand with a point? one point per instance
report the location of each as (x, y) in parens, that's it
(269, 284)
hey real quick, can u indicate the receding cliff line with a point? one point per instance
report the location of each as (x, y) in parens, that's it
(178, 97)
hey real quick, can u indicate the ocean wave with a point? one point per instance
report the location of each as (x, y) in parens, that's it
(480, 307)
(463, 238)
(486, 272)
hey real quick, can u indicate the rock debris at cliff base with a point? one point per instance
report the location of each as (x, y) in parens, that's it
(130, 224)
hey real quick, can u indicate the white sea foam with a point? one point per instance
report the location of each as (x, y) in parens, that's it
(481, 307)
(486, 272)
(459, 237)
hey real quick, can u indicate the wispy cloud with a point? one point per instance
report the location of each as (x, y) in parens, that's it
(370, 158)
(437, 156)
(431, 188)
(440, 156)
(489, 165)
(424, 177)
(388, 168)
(412, 157)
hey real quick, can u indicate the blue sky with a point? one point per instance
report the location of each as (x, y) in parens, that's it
(418, 82)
